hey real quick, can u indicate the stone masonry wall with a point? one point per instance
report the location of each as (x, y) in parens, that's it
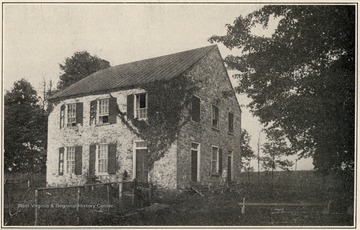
(214, 81)
(163, 173)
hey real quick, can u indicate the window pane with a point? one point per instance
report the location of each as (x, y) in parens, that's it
(104, 107)
(194, 145)
(142, 100)
(141, 144)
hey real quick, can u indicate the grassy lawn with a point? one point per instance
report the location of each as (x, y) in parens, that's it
(191, 209)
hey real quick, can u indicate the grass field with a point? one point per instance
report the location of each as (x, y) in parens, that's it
(214, 209)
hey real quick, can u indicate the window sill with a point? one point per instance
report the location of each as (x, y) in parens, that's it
(216, 129)
(104, 124)
(215, 174)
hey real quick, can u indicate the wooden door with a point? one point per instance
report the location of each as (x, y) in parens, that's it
(229, 164)
(142, 168)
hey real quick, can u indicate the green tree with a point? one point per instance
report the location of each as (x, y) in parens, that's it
(25, 129)
(274, 149)
(301, 78)
(79, 66)
(246, 151)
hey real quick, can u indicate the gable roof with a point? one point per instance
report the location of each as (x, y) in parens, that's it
(135, 73)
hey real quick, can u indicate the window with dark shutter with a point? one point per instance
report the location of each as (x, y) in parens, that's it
(113, 110)
(215, 117)
(220, 161)
(112, 159)
(195, 109)
(231, 122)
(79, 113)
(61, 161)
(93, 108)
(62, 116)
(130, 107)
(92, 155)
(78, 160)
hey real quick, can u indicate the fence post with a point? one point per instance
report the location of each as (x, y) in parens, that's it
(36, 207)
(108, 196)
(120, 189)
(150, 192)
(134, 191)
(78, 207)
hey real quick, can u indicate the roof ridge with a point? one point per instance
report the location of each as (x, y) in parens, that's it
(135, 73)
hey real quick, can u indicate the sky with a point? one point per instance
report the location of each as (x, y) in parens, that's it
(38, 37)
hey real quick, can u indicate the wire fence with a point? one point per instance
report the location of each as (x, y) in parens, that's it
(27, 202)
(89, 204)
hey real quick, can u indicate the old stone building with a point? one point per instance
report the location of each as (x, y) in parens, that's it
(88, 138)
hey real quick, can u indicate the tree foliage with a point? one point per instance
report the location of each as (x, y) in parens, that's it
(79, 66)
(274, 149)
(25, 129)
(246, 151)
(301, 78)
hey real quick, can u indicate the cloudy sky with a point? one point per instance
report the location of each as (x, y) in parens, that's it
(37, 37)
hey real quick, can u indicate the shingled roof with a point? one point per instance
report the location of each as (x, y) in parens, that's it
(135, 73)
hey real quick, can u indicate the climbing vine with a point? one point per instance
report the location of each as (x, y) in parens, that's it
(166, 114)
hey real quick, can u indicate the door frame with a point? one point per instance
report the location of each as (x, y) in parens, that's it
(198, 161)
(134, 156)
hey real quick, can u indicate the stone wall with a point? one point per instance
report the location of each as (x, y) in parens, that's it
(86, 135)
(214, 81)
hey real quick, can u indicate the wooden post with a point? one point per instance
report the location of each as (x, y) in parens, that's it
(150, 192)
(134, 191)
(78, 207)
(243, 207)
(28, 183)
(36, 207)
(120, 189)
(108, 196)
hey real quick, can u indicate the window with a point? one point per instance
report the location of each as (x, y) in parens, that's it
(71, 115)
(231, 122)
(141, 106)
(215, 117)
(70, 160)
(215, 160)
(62, 116)
(195, 109)
(102, 159)
(61, 161)
(103, 111)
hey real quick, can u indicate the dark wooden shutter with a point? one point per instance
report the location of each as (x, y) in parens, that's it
(61, 161)
(93, 107)
(113, 110)
(130, 107)
(112, 159)
(78, 160)
(92, 155)
(62, 116)
(195, 109)
(79, 113)
(231, 122)
(220, 160)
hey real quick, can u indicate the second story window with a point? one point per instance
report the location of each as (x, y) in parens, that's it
(195, 109)
(141, 106)
(103, 111)
(215, 117)
(71, 115)
(231, 122)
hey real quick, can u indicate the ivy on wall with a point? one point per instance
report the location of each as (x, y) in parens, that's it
(166, 114)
